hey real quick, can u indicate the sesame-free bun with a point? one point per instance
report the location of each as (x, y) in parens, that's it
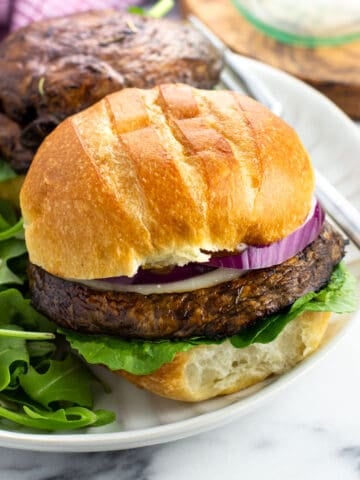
(160, 177)
(208, 371)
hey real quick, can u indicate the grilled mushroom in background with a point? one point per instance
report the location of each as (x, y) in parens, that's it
(55, 68)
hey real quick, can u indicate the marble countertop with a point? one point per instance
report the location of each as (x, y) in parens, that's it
(310, 430)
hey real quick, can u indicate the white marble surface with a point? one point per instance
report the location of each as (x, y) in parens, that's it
(311, 430)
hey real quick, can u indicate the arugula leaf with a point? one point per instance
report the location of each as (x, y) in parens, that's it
(64, 381)
(8, 215)
(136, 10)
(34, 386)
(12, 246)
(10, 249)
(41, 350)
(17, 369)
(10, 190)
(59, 399)
(6, 172)
(144, 357)
(15, 309)
(25, 335)
(70, 418)
(160, 9)
(12, 350)
(13, 231)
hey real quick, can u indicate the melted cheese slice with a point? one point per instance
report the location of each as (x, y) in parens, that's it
(206, 280)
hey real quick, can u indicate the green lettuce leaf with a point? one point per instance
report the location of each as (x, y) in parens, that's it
(144, 357)
(139, 357)
(338, 297)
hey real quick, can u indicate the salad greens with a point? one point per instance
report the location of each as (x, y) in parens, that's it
(160, 9)
(144, 357)
(12, 246)
(6, 172)
(43, 385)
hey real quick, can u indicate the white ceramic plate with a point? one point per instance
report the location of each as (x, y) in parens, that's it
(145, 419)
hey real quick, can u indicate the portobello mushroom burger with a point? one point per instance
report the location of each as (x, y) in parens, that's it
(174, 237)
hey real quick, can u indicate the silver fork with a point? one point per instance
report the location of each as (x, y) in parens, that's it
(233, 77)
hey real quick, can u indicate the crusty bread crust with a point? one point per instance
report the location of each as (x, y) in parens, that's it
(157, 177)
(207, 371)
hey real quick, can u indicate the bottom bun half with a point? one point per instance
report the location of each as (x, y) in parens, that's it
(207, 371)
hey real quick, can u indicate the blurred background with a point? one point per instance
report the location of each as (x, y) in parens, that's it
(317, 41)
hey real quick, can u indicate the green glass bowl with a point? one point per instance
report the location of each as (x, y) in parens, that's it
(308, 23)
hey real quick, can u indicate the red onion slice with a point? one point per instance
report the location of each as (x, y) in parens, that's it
(278, 252)
(251, 258)
(144, 277)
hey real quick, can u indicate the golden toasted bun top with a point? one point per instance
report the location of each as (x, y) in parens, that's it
(159, 177)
